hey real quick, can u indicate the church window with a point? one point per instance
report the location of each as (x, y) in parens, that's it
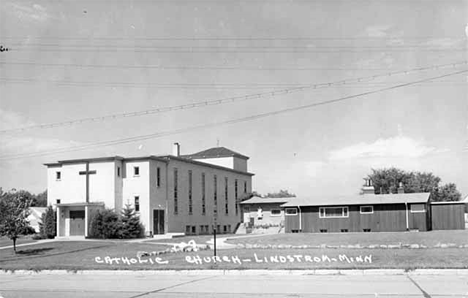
(58, 175)
(176, 206)
(190, 191)
(215, 194)
(245, 186)
(203, 193)
(158, 177)
(137, 203)
(226, 195)
(118, 171)
(136, 171)
(235, 195)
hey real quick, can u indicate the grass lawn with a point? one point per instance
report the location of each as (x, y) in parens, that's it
(429, 239)
(199, 239)
(4, 241)
(95, 255)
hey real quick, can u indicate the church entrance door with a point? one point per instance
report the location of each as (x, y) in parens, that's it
(77, 222)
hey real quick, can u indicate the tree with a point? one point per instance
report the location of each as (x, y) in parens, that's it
(13, 215)
(447, 193)
(281, 194)
(105, 224)
(131, 226)
(40, 200)
(387, 181)
(48, 224)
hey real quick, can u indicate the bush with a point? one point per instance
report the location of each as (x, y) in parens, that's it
(48, 224)
(107, 224)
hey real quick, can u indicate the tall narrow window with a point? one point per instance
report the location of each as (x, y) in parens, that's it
(215, 193)
(235, 194)
(158, 176)
(58, 175)
(118, 171)
(137, 203)
(176, 206)
(245, 186)
(226, 195)
(203, 193)
(190, 210)
(136, 171)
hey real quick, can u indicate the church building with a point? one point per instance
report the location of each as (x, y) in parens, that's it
(171, 193)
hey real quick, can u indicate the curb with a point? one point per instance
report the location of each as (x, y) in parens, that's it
(455, 272)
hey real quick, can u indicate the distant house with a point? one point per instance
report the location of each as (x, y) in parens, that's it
(34, 218)
(264, 211)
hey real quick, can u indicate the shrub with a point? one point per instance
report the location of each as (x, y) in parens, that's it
(131, 226)
(48, 224)
(107, 224)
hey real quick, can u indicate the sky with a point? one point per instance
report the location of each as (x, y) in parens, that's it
(70, 60)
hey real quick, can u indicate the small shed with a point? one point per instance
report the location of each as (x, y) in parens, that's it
(359, 213)
(264, 211)
(448, 215)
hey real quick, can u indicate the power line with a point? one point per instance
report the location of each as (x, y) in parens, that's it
(233, 121)
(169, 67)
(229, 99)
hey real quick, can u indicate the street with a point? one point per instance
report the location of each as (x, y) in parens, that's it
(134, 284)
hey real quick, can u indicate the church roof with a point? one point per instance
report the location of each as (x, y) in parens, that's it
(215, 152)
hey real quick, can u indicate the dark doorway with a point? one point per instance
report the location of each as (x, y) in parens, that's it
(158, 222)
(77, 223)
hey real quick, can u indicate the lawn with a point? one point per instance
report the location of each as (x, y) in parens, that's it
(429, 239)
(4, 241)
(100, 255)
(199, 239)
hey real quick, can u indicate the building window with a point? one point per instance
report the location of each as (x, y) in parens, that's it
(275, 212)
(417, 208)
(187, 230)
(225, 229)
(235, 197)
(194, 230)
(323, 231)
(118, 171)
(366, 209)
(229, 228)
(176, 205)
(58, 201)
(291, 211)
(190, 210)
(215, 192)
(158, 176)
(137, 203)
(333, 212)
(203, 184)
(344, 230)
(136, 171)
(226, 196)
(58, 175)
(245, 186)
(366, 230)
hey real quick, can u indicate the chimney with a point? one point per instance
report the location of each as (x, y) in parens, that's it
(368, 188)
(400, 188)
(176, 149)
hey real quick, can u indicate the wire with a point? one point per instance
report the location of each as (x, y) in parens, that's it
(228, 122)
(163, 67)
(226, 100)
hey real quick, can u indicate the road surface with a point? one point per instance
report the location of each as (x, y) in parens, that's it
(134, 285)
